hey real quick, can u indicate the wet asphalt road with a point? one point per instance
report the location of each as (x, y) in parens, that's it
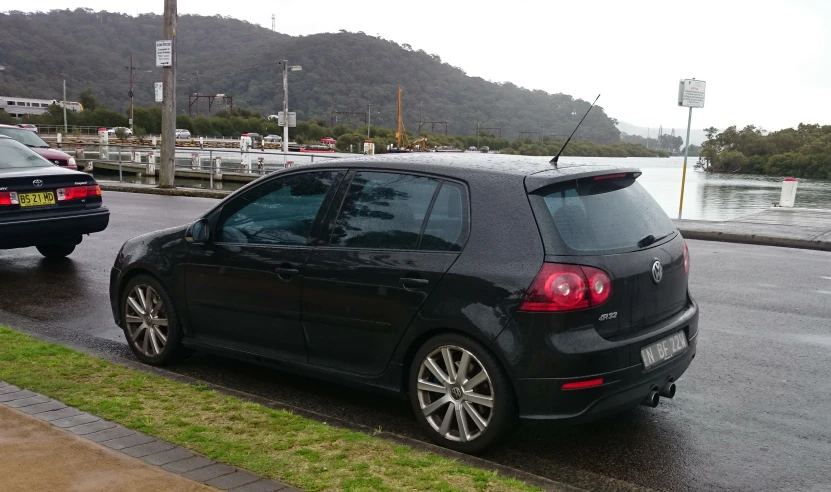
(753, 412)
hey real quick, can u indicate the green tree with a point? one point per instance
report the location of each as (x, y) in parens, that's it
(87, 99)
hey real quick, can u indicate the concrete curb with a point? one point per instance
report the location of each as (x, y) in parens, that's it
(152, 190)
(171, 458)
(760, 240)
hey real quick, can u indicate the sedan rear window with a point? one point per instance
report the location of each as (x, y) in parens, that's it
(605, 215)
(14, 155)
(26, 137)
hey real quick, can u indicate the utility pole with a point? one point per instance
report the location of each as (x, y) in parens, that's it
(197, 92)
(131, 91)
(369, 119)
(65, 130)
(168, 164)
(477, 135)
(285, 110)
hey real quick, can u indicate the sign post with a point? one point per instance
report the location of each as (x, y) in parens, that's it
(690, 95)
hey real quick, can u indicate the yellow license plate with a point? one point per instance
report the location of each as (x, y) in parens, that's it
(36, 199)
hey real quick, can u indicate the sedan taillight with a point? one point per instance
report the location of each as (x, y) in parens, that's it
(8, 198)
(560, 287)
(77, 192)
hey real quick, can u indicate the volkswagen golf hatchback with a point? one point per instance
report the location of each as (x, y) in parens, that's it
(485, 289)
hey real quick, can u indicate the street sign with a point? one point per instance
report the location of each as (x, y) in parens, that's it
(159, 93)
(691, 93)
(292, 119)
(164, 53)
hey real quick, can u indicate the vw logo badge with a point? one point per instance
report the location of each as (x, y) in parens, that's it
(657, 271)
(38, 183)
(456, 393)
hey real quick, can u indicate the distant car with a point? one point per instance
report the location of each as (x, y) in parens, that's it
(184, 134)
(273, 138)
(127, 131)
(33, 141)
(30, 127)
(43, 205)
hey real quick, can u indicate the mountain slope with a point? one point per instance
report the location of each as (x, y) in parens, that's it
(341, 71)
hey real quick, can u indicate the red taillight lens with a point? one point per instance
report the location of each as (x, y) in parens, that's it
(8, 198)
(686, 258)
(561, 287)
(77, 192)
(591, 383)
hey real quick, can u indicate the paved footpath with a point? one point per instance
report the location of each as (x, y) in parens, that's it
(45, 445)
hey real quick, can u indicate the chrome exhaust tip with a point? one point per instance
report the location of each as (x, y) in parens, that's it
(668, 391)
(652, 399)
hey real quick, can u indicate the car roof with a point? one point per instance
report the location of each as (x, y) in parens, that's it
(9, 126)
(463, 164)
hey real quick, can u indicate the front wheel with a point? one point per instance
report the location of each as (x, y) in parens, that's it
(150, 322)
(56, 250)
(460, 394)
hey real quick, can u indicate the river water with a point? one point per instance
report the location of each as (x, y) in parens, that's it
(707, 196)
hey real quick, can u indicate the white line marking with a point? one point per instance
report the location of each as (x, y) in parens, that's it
(823, 292)
(826, 278)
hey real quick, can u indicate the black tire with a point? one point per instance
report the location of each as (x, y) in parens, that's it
(56, 250)
(501, 416)
(173, 350)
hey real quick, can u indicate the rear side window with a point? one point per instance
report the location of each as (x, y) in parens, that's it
(383, 210)
(603, 215)
(445, 227)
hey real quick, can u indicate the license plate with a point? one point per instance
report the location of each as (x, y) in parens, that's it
(663, 350)
(36, 199)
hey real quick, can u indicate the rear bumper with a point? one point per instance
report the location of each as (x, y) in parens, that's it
(32, 231)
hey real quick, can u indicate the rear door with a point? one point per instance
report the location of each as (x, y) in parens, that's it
(612, 223)
(390, 242)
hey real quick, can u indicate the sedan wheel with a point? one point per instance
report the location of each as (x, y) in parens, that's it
(147, 322)
(455, 393)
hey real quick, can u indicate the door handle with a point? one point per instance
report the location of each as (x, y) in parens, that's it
(413, 282)
(286, 272)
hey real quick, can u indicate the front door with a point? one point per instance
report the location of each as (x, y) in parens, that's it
(244, 287)
(385, 254)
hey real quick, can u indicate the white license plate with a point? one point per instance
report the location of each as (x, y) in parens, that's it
(663, 350)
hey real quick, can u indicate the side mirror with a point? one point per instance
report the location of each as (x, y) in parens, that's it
(198, 232)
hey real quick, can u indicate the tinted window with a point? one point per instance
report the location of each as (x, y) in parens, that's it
(280, 212)
(13, 155)
(445, 225)
(608, 214)
(383, 210)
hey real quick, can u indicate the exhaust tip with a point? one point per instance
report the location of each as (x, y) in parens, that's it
(668, 391)
(652, 399)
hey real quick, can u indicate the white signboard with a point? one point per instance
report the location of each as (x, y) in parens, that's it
(164, 53)
(691, 93)
(159, 93)
(292, 119)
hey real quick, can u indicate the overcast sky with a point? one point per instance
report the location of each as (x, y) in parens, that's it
(765, 62)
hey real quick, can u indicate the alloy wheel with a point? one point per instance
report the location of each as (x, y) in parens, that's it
(146, 320)
(455, 393)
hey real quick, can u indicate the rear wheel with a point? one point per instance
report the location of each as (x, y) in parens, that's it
(460, 394)
(56, 250)
(151, 323)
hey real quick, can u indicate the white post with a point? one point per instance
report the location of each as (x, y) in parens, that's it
(788, 197)
(194, 160)
(217, 170)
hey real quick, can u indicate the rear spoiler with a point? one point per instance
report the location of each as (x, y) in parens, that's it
(534, 182)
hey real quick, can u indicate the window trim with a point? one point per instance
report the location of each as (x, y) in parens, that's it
(216, 214)
(327, 227)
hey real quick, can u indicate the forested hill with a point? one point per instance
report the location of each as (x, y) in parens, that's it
(341, 71)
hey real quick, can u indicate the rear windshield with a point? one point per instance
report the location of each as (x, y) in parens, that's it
(13, 155)
(605, 215)
(26, 137)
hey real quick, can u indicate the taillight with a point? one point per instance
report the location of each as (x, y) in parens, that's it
(686, 258)
(8, 198)
(590, 383)
(77, 192)
(560, 287)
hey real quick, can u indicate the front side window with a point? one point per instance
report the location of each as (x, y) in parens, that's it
(280, 212)
(383, 210)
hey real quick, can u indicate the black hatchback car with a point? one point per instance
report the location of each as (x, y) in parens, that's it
(485, 288)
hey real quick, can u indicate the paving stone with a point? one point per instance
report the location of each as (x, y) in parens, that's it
(8, 389)
(25, 402)
(149, 448)
(128, 441)
(83, 418)
(209, 472)
(109, 434)
(43, 407)
(16, 395)
(187, 465)
(91, 427)
(59, 414)
(261, 486)
(227, 482)
(169, 456)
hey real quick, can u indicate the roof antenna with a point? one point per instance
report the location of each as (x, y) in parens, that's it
(557, 157)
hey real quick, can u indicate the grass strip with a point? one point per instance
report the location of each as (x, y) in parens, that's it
(274, 443)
